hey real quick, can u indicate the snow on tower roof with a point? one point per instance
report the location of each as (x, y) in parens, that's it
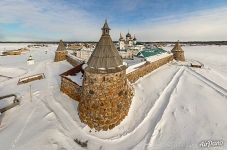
(61, 46)
(177, 47)
(105, 56)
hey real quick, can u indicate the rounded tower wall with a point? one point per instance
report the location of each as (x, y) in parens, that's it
(106, 99)
(178, 55)
(60, 56)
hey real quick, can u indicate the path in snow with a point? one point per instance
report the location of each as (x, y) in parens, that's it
(210, 83)
(163, 101)
(23, 128)
(197, 120)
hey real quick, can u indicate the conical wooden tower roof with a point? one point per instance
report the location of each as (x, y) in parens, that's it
(105, 55)
(61, 46)
(177, 47)
(105, 26)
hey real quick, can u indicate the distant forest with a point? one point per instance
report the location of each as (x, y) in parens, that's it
(161, 42)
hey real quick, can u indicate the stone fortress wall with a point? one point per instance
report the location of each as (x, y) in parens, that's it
(70, 88)
(74, 62)
(147, 68)
(105, 99)
(74, 91)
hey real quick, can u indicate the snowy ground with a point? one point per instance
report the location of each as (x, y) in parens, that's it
(175, 107)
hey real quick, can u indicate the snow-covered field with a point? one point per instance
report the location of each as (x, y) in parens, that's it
(175, 107)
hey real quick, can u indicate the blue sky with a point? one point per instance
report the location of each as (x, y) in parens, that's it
(150, 20)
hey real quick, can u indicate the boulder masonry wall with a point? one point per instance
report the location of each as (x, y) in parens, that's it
(147, 68)
(73, 61)
(70, 88)
(106, 99)
(60, 56)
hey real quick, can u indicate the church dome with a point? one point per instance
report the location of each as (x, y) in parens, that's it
(128, 35)
(134, 39)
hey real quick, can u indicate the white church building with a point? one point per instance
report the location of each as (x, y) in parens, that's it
(129, 43)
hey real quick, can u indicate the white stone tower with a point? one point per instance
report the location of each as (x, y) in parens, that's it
(121, 42)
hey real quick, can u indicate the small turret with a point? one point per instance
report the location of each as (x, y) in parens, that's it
(61, 52)
(105, 29)
(30, 60)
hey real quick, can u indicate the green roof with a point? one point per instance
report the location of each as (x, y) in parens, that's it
(150, 52)
(139, 43)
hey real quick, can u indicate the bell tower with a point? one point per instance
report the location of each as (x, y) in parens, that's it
(105, 29)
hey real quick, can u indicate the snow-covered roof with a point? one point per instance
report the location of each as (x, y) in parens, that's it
(75, 74)
(146, 53)
(77, 78)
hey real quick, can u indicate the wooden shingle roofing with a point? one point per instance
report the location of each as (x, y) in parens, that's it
(61, 46)
(177, 47)
(105, 55)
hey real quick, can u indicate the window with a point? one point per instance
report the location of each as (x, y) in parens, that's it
(119, 106)
(78, 90)
(120, 93)
(91, 92)
(91, 82)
